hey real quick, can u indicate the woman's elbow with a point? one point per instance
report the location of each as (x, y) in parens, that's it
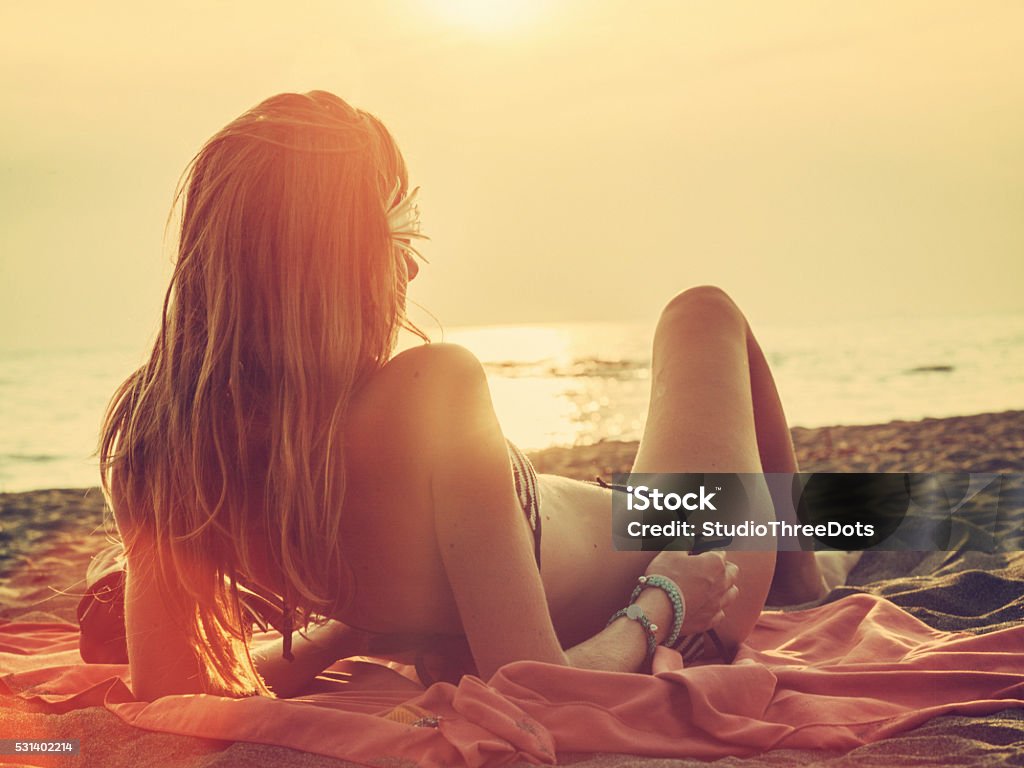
(150, 685)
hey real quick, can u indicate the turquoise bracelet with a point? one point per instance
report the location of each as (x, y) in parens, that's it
(636, 613)
(675, 597)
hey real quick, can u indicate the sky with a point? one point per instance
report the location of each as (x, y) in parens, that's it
(579, 160)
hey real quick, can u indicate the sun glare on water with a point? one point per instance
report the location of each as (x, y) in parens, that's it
(488, 16)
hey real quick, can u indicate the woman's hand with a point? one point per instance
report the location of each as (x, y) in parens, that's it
(708, 584)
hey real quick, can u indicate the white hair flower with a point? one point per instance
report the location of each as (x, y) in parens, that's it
(404, 220)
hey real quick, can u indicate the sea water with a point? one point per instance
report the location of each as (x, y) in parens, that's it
(573, 384)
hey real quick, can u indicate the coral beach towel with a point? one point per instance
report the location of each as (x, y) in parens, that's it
(833, 677)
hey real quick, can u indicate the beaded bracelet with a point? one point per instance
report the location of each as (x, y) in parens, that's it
(675, 597)
(636, 613)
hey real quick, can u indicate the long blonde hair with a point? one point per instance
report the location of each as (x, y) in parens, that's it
(286, 294)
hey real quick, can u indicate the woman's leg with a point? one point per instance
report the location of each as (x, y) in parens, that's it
(800, 576)
(714, 408)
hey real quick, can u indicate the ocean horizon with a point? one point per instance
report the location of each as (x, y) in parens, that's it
(566, 384)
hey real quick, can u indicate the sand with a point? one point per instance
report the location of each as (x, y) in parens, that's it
(47, 538)
(988, 442)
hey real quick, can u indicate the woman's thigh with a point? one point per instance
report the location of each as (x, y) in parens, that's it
(701, 419)
(701, 416)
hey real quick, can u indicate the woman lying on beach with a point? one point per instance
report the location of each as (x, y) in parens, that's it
(275, 444)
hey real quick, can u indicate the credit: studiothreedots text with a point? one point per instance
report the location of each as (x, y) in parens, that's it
(823, 510)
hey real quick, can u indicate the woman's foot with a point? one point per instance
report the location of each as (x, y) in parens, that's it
(803, 577)
(797, 579)
(836, 566)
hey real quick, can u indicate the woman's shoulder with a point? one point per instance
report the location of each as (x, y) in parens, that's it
(435, 359)
(417, 395)
(418, 378)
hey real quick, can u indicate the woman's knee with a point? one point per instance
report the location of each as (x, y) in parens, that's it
(707, 301)
(704, 309)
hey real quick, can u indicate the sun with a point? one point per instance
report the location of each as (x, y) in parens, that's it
(488, 16)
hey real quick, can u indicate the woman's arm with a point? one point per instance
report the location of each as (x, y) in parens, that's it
(708, 585)
(162, 663)
(160, 659)
(488, 555)
(622, 646)
(313, 651)
(482, 536)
